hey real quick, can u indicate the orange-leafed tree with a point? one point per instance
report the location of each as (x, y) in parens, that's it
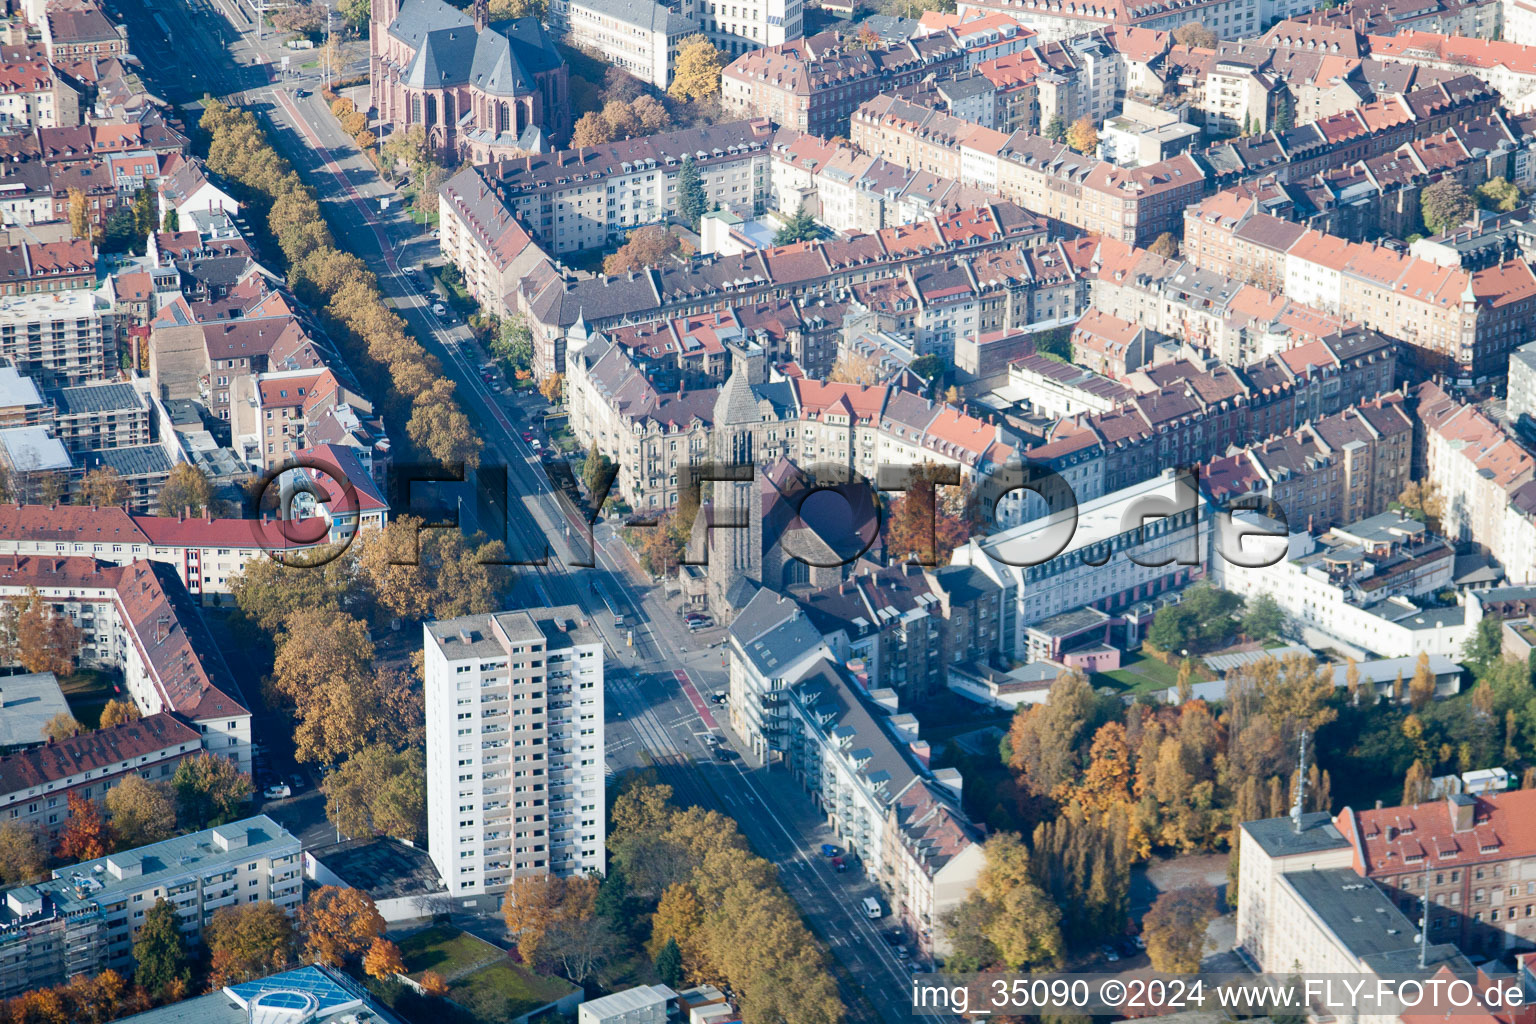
(383, 959)
(338, 925)
(434, 984)
(85, 835)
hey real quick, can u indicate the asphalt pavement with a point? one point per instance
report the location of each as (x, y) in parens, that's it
(660, 675)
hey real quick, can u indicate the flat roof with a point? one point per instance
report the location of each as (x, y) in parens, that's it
(1279, 837)
(384, 868)
(31, 450)
(182, 856)
(26, 704)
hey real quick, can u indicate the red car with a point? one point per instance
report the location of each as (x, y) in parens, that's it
(527, 436)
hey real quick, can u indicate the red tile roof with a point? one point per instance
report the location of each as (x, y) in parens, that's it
(1399, 840)
(107, 749)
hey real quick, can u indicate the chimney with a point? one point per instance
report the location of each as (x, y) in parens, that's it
(1463, 811)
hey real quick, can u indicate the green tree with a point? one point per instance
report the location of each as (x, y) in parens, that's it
(514, 343)
(1263, 618)
(1500, 195)
(597, 472)
(799, 228)
(1444, 205)
(1285, 114)
(172, 222)
(210, 790)
(691, 199)
(161, 964)
(1056, 128)
(1485, 647)
(669, 964)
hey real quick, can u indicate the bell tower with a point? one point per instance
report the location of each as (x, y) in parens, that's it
(735, 568)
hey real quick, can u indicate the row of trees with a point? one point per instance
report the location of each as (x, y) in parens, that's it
(717, 912)
(621, 119)
(341, 285)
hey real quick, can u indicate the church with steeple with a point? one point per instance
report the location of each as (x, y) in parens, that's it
(483, 90)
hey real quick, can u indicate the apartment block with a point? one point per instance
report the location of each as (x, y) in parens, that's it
(515, 771)
(586, 198)
(35, 784)
(84, 919)
(1338, 469)
(1486, 478)
(814, 84)
(1228, 19)
(140, 620)
(59, 340)
(640, 36)
(96, 416)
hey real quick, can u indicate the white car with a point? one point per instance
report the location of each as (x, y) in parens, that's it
(277, 792)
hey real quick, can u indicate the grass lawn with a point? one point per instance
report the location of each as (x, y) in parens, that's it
(1137, 674)
(498, 991)
(87, 692)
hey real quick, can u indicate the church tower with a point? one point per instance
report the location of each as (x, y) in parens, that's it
(735, 570)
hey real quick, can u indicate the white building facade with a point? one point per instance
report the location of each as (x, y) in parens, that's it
(515, 773)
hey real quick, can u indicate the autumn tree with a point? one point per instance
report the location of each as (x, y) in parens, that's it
(1445, 205)
(119, 712)
(553, 388)
(378, 792)
(534, 904)
(102, 487)
(854, 367)
(268, 591)
(1417, 785)
(161, 964)
(1044, 741)
(248, 941)
(338, 924)
(591, 129)
(434, 984)
(1174, 929)
(1007, 921)
(186, 489)
(649, 246)
(141, 812)
(1083, 136)
(61, 727)
(1196, 35)
(210, 790)
(324, 669)
(922, 525)
(697, 70)
(23, 852)
(500, 9)
(415, 572)
(383, 960)
(1421, 688)
(37, 637)
(79, 214)
(1165, 245)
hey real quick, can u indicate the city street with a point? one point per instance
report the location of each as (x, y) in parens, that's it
(658, 713)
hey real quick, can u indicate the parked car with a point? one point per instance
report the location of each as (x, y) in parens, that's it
(902, 953)
(695, 625)
(872, 908)
(694, 616)
(1110, 954)
(298, 782)
(438, 309)
(527, 436)
(277, 792)
(892, 938)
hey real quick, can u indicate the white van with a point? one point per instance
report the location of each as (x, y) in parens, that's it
(439, 309)
(872, 908)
